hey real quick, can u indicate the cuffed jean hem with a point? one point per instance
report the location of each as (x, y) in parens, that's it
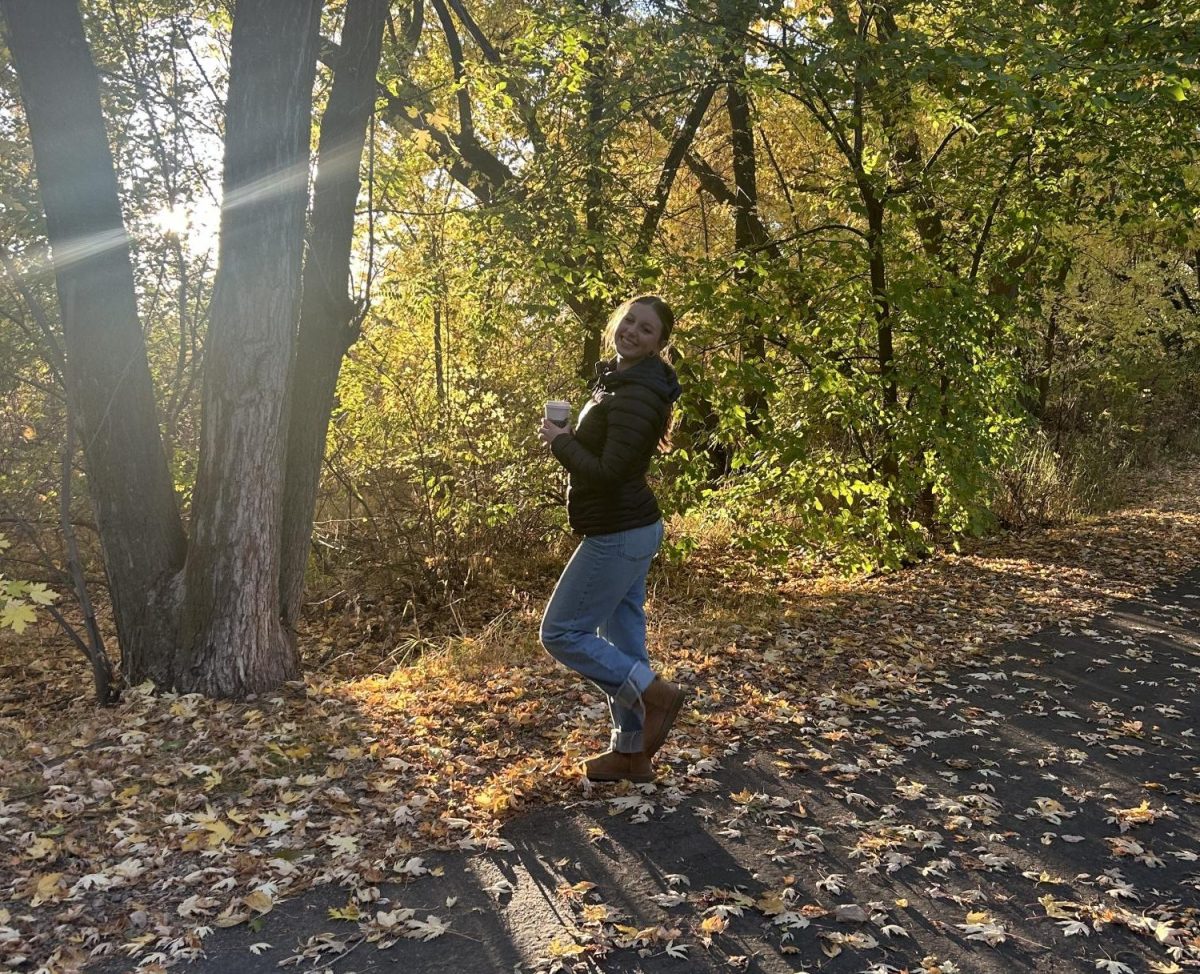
(629, 697)
(595, 623)
(630, 693)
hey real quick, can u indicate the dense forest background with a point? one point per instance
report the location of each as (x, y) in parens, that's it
(936, 266)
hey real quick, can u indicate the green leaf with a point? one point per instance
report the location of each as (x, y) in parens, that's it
(40, 595)
(17, 616)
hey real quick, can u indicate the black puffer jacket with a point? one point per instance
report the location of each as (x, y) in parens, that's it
(615, 438)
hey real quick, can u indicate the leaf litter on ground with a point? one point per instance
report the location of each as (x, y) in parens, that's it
(134, 831)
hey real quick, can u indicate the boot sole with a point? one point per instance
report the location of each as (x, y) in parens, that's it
(669, 718)
(639, 779)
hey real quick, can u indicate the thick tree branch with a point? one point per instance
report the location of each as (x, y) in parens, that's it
(516, 87)
(997, 199)
(670, 168)
(466, 123)
(714, 184)
(477, 35)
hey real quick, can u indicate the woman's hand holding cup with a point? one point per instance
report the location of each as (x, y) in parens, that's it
(555, 421)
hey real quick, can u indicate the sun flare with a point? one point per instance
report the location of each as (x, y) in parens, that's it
(172, 220)
(194, 224)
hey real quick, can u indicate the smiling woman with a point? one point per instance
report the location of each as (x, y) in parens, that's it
(595, 622)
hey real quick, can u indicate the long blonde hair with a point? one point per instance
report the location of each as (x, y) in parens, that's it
(666, 318)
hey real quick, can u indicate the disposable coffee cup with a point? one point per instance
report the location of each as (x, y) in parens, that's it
(558, 412)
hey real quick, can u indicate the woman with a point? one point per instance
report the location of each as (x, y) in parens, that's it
(595, 622)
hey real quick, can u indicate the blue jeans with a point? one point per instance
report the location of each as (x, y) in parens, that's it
(595, 623)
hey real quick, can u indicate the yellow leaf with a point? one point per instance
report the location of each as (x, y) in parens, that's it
(259, 901)
(193, 842)
(40, 848)
(493, 799)
(559, 949)
(576, 891)
(40, 595)
(16, 615)
(743, 797)
(219, 833)
(348, 912)
(1055, 909)
(771, 905)
(49, 887)
(714, 924)
(595, 913)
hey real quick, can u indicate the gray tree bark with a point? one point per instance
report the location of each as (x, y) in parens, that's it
(329, 318)
(207, 617)
(232, 642)
(107, 374)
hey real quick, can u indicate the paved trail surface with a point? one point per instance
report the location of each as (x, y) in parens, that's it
(1038, 812)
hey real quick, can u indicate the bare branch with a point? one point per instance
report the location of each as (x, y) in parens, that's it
(670, 168)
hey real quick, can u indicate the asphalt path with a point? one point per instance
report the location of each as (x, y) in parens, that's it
(1034, 810)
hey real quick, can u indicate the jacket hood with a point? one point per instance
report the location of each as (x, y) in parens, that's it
(651, 372)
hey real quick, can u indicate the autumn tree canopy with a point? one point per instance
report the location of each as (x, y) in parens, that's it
(279, 262)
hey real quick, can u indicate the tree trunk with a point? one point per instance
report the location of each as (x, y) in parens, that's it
(107, 374)
(1045, 369)
(748, 241)
(885, 353)
(593, 336)
(329, 318)
(439, 368)
(594, 191)
(232, 642)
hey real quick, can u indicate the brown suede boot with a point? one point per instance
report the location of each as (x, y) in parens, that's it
(663, 701)
(615, 766)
